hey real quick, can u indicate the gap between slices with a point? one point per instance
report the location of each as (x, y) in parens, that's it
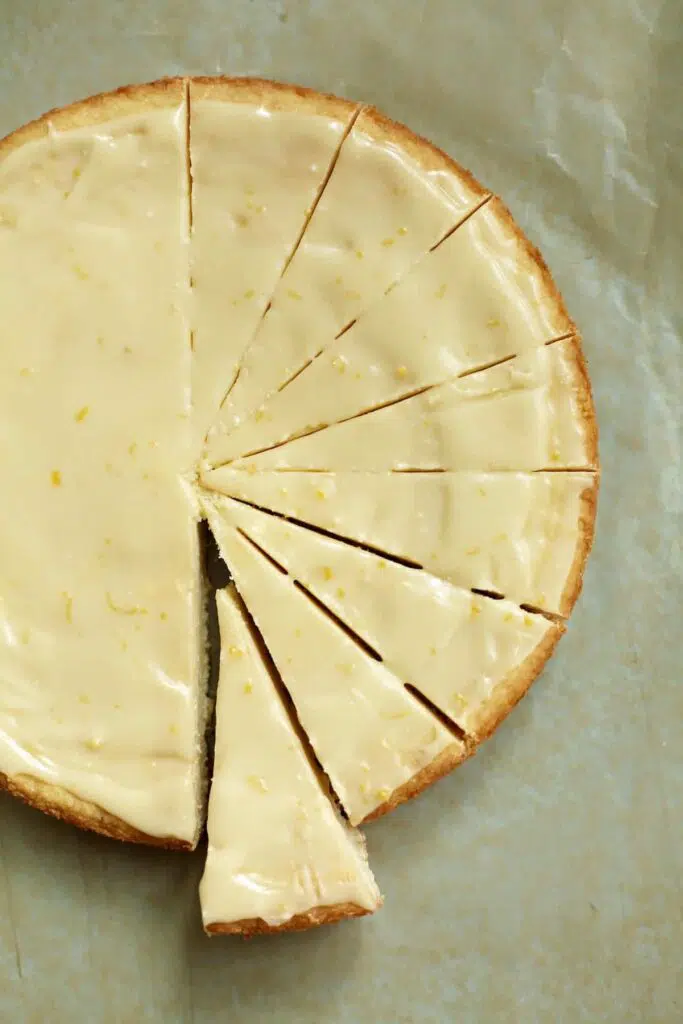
(369, 734)
(260, 157)
(410, 195)
(470, 656)
(279, 854)
(477, 299)
(532, 412)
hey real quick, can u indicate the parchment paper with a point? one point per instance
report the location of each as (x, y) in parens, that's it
(542, 882)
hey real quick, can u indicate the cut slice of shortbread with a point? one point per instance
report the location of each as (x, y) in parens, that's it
(471, 656)
(391, 197)
(280, 857)
(481, 296)
(532, 412)
(375, 741)
(522, 535)
(260, 154)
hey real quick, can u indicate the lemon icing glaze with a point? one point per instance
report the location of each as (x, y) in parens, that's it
(226, 296)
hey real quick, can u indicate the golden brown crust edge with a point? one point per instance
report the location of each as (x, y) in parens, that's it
(516, 685)
(442, 765)
(62, 804)
(166, 92)
(274, 96)
(313, 918)
(587, 516)
(575, 376)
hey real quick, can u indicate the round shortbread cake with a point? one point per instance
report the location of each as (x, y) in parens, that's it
(254, 306)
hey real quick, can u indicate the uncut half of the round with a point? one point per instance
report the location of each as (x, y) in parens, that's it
(281, 313)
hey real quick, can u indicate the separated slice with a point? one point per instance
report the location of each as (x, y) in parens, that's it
(376, 742)
(280, 857)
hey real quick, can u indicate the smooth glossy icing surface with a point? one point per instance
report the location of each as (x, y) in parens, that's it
(102, 638)
(476, 299)
(369, 734)
(256, 172)
(515, 534)
(455, 647)
(384, 207)
(525, 414)
(277, 847)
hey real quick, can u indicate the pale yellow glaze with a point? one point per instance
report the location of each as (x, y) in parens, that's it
(369, 734)
(475, 300)
(517, 534)
(455, 647)
(256, 173)
(381, 211)
(99, 572)
(277, 847)
(525, 414)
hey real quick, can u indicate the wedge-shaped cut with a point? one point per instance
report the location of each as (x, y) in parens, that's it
(523, 535)
(377, 744)
(101, 660)
(260, 154)
(391, 198)
(532, 412)
(482, 296)
(471, 656)
(280, 857)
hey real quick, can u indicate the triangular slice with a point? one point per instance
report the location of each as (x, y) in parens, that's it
(391, 197)
(375, 741)
(532, 412)
(482, 296)
(280, 857)
(471, 656)
(260, 153)
(523, 535)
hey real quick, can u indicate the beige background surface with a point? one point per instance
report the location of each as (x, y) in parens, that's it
(542, 882)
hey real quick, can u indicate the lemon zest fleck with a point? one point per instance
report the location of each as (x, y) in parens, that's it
(122, 609)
